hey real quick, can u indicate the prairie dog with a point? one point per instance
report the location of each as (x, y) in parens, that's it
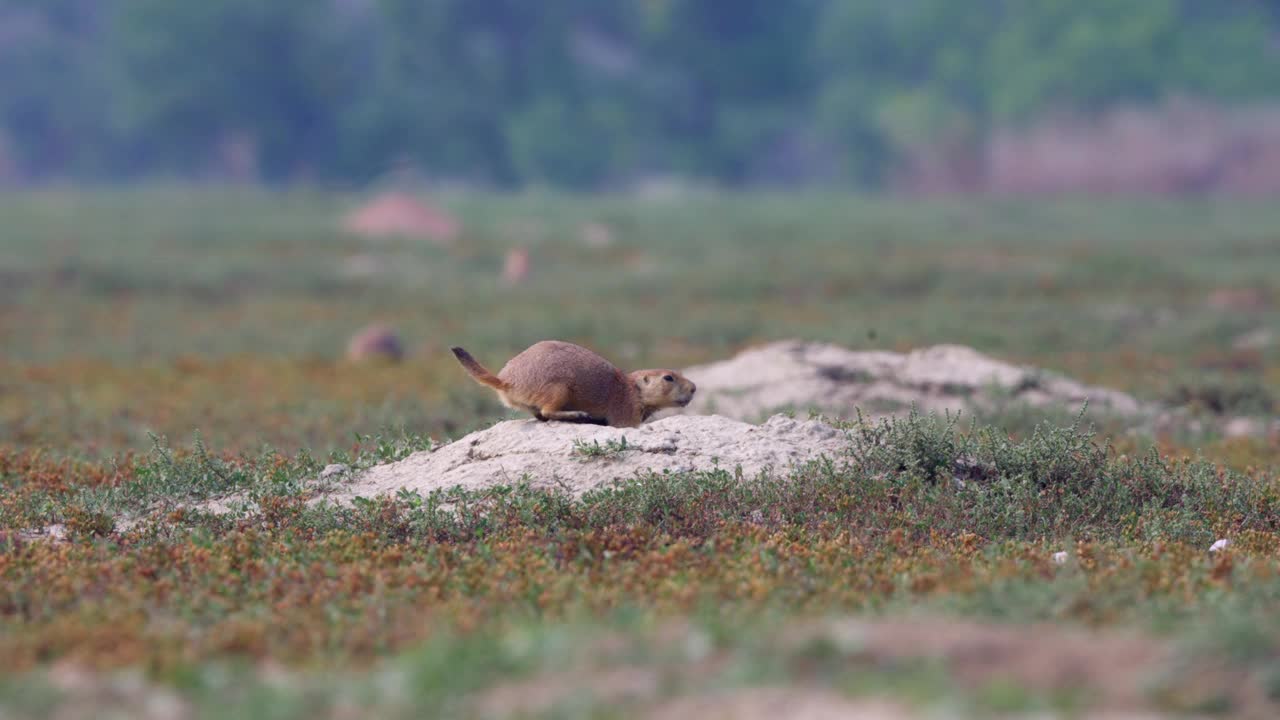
(557, 380)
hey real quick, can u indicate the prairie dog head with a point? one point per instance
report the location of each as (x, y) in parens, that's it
(663, 388)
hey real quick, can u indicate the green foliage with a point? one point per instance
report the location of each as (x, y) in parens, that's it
(469, 590)
(922, 70)
(593, 449)
(211, 573)
(168, 310)
(277, 74)
(52, 89)
(922, 471)
(582, 94)
(1230, 395)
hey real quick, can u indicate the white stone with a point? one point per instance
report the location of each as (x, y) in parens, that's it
(333, 471)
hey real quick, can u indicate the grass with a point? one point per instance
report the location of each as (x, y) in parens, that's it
(593, 449)
(218, 318)
(882, 530)
(165, 311)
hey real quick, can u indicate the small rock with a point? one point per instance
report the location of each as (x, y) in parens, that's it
(819, 430)
(71, 677)
(597, 235)
(161, 703)
(375, 342)
(333, 471)
(1220, 545)
(1259, 339)
(697, 646)
(1060, 557)
(516, 266)
(1243, 427)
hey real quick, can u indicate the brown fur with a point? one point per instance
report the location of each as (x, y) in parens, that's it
(557, 380)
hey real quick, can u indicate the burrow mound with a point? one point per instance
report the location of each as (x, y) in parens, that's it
(715, 431)
(401, 215)
(578, 458)
(792, 375)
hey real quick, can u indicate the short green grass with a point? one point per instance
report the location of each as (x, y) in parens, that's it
(160, 348)
(593, 449)
(168, 310)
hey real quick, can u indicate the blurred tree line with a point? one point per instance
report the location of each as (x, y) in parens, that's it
(584, 93)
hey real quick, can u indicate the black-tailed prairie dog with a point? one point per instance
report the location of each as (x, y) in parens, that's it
(557, 380)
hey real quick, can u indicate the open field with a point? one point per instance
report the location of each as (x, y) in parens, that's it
(171, 313)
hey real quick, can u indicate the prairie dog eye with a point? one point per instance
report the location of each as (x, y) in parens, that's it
(668, 378)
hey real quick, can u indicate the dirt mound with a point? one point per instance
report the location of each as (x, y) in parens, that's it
(581, 457)
(400, 215)
(798, 376)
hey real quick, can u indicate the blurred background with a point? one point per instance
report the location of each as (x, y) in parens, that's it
(269, 220)
(988, 95)
(238, 237)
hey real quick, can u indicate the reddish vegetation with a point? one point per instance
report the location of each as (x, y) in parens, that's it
(277, 587)
(399, 214)
(32, 478)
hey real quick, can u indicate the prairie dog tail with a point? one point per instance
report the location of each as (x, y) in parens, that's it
(477, 371)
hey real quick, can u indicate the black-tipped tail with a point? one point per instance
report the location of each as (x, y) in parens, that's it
(476, 370)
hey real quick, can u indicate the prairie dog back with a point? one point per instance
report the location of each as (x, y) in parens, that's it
(589, 377)
(555, 380)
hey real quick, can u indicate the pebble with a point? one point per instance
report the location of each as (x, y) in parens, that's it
(333, 471)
